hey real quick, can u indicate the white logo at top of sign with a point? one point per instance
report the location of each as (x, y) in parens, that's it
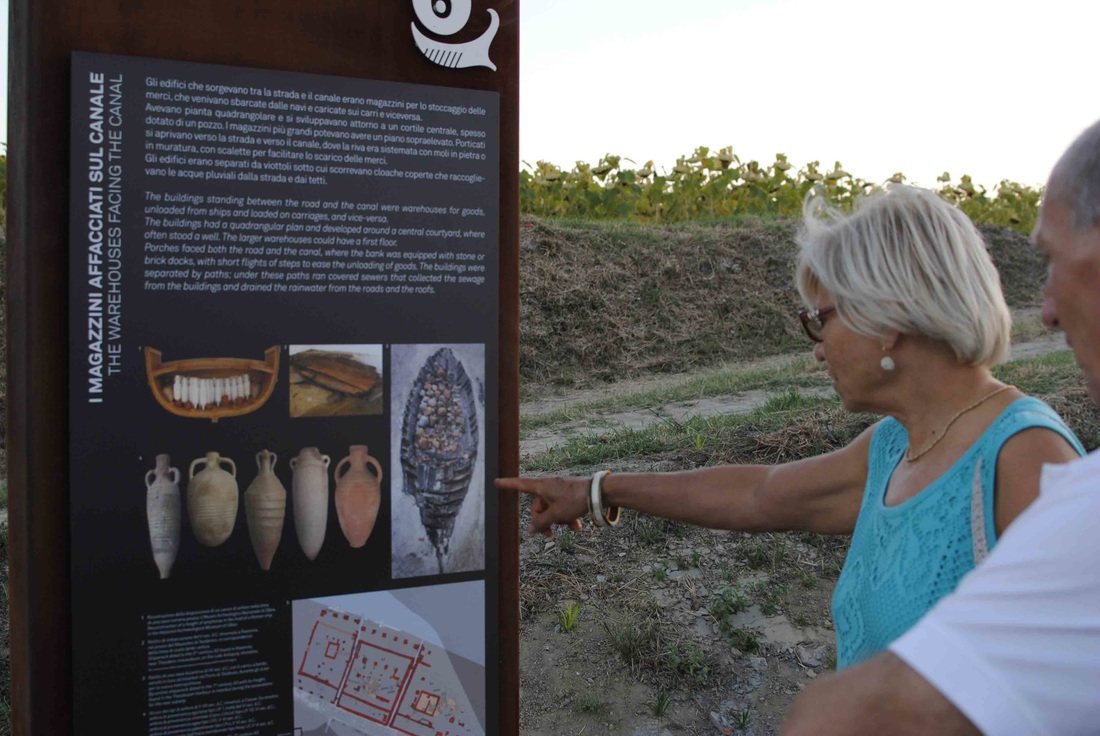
(446, 18)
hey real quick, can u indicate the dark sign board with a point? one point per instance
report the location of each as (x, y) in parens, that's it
(288, 376)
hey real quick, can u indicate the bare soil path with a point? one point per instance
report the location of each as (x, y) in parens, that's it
(541, 440)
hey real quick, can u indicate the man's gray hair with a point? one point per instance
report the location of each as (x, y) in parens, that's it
(1075, 180)
(906, 261)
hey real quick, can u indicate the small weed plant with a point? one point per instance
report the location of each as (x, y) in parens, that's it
(769, 596)
(634, 642)
(741, 717)
(744, 639)
(589, 705)
(651, 531)
(567, 542)
(688, 660)
(727, 602)
(801, 620)
(805, 579)
(567, 616)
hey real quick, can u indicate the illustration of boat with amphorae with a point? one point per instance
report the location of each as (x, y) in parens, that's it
(212, 388)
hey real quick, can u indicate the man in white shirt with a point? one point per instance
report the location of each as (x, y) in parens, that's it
(1016, 648)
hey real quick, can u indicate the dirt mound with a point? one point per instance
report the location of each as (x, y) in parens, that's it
(1023, 267)
(603, 301)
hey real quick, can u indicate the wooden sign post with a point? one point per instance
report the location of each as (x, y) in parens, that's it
(263, 367)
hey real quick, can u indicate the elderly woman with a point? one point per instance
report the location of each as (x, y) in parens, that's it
(906, 310)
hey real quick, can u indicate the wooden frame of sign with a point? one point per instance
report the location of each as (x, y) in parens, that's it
(395, 43)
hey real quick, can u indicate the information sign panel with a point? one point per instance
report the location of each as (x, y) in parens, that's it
(283, 402)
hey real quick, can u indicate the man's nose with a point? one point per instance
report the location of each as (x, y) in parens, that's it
(1049, 313)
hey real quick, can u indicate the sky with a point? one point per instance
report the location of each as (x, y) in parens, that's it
(991, 88)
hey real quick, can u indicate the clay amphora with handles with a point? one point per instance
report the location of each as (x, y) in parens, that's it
(162, 508)
(309, 491)
(358, 494)
(212, 497)
(265, 509)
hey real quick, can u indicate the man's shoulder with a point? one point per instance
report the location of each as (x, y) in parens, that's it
(1088, 463)
(1079, 477)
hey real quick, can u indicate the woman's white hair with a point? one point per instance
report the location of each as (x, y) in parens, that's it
(906, 261)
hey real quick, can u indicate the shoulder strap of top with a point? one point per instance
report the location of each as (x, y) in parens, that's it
(977, 516)
(888, 443)
(1025, 413)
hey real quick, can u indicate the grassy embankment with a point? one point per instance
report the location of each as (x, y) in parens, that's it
(613, 300)
(697, 306)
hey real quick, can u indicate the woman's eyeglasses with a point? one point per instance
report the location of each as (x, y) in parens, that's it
(813, 321)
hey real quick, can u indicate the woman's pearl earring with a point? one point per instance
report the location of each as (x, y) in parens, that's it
(887, 363)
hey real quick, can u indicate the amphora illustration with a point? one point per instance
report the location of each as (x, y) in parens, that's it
(358, 494)
(265, 509)
(212, 499)
(162, 508)
(309, 491)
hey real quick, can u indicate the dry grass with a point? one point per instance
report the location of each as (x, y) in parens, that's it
(602, 301)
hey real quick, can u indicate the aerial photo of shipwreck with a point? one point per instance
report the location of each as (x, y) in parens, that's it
(437, 419)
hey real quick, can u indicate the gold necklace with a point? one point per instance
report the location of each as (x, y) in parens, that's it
(910, 458)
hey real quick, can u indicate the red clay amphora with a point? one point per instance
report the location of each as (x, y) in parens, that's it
(162, 508)
(212, 499)
(265, 509)
(309, 491)
(358, 494)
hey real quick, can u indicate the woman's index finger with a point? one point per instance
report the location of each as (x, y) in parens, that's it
(522, 485)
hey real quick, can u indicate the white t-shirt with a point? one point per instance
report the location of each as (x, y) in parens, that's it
(1016, 647)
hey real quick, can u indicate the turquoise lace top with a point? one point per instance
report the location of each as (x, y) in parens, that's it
(904, 558)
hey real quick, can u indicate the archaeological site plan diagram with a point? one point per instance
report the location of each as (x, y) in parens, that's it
(357, 676)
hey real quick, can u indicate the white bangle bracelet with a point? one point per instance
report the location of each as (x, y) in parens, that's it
(600, 515)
